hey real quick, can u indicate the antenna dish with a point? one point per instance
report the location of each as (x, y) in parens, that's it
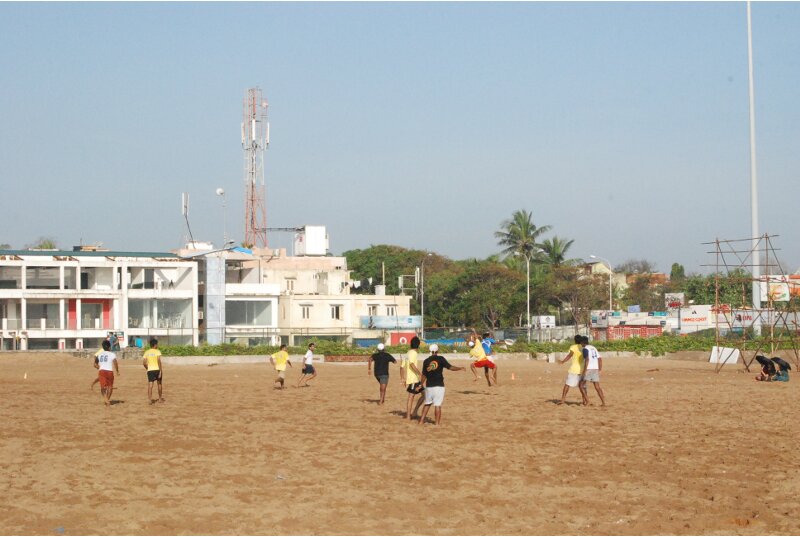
(220, 192)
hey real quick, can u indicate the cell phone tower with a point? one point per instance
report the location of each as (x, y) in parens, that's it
(255, 140)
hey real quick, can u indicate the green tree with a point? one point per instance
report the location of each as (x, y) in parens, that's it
(520, 234)
(677, 273)
(643, 292)
(479, 293)
(734, 288)
(5, 246)
(636, 266)
(555, 251)
(44, 243)
(578, 293)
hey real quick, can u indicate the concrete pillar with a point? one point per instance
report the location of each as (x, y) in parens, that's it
(78, 320)
(61, 314)
(24, 320)
(61, 277)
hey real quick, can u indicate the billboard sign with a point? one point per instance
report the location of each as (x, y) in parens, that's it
(599, 318)
(673, 301)
(390, 322)
(779, 288)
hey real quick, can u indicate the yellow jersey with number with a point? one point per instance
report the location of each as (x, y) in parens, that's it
(152, 356)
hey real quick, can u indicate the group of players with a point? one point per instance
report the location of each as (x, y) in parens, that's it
(426, 382)
(105, 361)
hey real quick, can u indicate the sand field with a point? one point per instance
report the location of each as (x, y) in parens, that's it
(679, 450)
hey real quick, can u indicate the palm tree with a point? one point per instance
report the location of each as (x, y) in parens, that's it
(519, 234)
(555, 251)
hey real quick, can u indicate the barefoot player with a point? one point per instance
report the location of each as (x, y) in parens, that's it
(411, 377)
(593, 364)
(279, 361)
(477, 351)
(107, 363)
(433, 379)
(152, 363)
(575, 354)
(308, 366)
(382, 360)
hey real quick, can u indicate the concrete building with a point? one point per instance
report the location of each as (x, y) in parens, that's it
(264, 296)
(54, 299)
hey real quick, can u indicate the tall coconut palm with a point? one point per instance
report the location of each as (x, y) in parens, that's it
(555, 251)
(519, 234)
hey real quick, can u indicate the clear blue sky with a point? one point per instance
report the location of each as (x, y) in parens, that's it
(622, 125)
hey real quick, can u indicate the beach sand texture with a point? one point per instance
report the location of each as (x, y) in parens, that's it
(679, 450)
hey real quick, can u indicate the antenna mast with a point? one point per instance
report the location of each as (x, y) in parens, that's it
(255, 140)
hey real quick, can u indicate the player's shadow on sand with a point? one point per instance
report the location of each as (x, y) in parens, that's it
(568, 403)
(473, 392)
(116, 402)
(370, 400)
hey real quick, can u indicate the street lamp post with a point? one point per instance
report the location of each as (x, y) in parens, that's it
(610, 272)
(221, 193)
(528, 291)
(422, 293)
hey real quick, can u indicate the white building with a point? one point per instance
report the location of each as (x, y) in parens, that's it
(268, 297)
(52, 299)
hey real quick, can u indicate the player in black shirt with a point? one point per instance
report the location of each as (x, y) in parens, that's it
(433, 379)
(382, 360)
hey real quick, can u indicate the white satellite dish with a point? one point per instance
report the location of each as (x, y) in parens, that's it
(220, 192)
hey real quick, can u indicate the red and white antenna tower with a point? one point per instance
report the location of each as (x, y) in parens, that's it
(255, 140)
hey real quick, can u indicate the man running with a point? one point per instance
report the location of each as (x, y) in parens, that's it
(575, 369)
(279, 361)
(152, 363)
(593, 364)
(433, 379)
(382, 360)
(107, 363)
(487, 341)
(411, 376)
(308, 366)
(477, 351)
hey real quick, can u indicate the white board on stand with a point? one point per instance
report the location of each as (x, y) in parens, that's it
(724, 355)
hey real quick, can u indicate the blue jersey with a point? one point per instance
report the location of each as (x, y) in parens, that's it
(487, 345)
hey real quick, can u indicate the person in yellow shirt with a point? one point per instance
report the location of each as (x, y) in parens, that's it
(152, 363)
(575, 372)
(279, 361)
(477, 351)
(410, 376)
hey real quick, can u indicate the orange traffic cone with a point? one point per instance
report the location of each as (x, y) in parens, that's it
(513, 376)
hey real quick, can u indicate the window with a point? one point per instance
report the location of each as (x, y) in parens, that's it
(391, 311)
(336, 312)
(248, 313)
(305, 311)
(372, 310)
(290, 284)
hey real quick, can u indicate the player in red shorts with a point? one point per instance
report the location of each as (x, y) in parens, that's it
(107, 363)
(476, 351)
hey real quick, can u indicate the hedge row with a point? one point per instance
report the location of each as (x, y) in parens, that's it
(657, 346)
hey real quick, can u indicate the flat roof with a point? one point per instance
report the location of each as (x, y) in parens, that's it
(71, 253)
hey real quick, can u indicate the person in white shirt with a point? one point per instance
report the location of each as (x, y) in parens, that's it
(308, 367)
(106, 362)
(592, 365)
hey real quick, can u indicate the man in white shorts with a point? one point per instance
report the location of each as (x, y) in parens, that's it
(575, 354)
(433, 379)
(593, 364)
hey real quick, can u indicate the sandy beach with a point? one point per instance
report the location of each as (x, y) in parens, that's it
(679, 450)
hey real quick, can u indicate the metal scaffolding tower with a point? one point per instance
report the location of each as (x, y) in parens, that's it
(255, 140)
